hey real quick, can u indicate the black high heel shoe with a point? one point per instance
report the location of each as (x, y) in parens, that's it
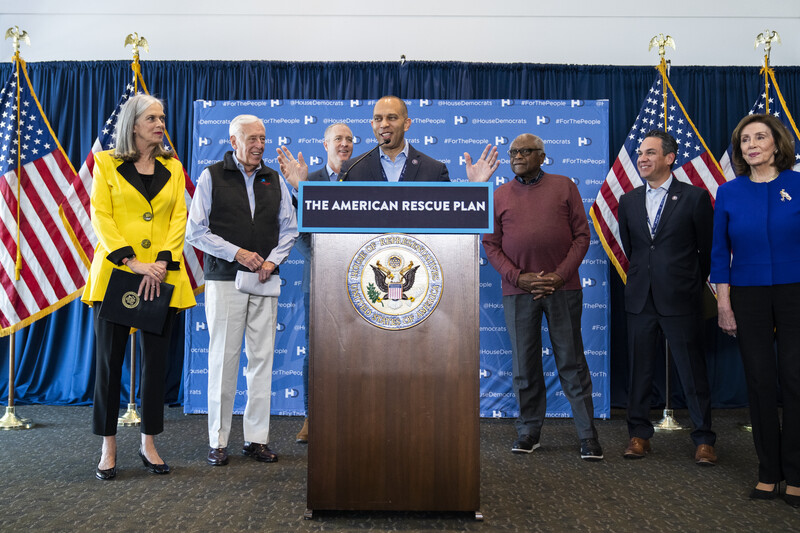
(163, 468)
(758, 494)
(792, 499)
(108, 473)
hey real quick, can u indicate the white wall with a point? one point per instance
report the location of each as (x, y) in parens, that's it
(712, 32)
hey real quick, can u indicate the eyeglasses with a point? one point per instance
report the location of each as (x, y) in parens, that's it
(525, 152)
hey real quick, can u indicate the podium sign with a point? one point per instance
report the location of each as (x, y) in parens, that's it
(414, 207)
(394, 370)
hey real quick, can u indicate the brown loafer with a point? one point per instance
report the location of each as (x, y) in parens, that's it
(259, 452)
(637, 448)
(705, 456)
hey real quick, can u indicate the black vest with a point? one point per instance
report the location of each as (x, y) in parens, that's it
(230, 218)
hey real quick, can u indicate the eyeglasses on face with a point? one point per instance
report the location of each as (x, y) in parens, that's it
(525, 152)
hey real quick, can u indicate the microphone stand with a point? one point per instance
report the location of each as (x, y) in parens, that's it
(343, 175)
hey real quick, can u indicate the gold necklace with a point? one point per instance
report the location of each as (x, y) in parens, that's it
(754, 180)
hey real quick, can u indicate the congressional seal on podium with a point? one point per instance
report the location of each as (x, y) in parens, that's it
(394, 281)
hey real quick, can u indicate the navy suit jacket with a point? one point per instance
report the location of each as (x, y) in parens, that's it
(319, 175)
(675, 263)
(419, 167)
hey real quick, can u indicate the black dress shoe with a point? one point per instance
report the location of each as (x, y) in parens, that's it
(217, 456)
(105, 475)
(792, 500)
(758, 494)
(108, 473)
(259, 452)
(163, 468)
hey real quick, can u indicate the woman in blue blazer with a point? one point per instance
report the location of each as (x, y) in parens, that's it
(755, 263)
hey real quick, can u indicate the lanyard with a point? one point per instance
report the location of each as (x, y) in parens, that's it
(654, 225)
(402, 172)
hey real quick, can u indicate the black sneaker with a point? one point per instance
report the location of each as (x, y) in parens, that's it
(525, 444)
(591, 450)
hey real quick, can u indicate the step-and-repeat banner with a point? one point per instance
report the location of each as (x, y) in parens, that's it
(575, 134)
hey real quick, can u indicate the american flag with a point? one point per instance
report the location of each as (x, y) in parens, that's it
(52, 270)
(693, 164)
(770, 101)
(77, 204)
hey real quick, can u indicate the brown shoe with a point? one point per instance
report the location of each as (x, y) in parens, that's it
(637, 448)
(705, 456)
(259, 452)
(302, 437)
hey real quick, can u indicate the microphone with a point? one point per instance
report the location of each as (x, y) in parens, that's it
(343, 175)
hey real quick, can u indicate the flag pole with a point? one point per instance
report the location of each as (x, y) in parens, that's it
(766, 38)
(667, 422)
(131, 416)
(10, 420)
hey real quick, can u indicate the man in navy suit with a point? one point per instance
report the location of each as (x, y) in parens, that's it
(666, 228)
(397, 160)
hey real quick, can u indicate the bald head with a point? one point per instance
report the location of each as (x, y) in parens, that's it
(389, 124)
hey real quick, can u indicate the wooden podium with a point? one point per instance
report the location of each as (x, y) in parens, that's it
(394, 414)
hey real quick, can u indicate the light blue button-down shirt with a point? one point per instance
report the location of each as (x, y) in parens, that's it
(653, 200)
(333, 176)
(199, 235)
(393, 169)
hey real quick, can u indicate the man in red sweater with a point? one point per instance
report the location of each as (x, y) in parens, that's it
(540, 238)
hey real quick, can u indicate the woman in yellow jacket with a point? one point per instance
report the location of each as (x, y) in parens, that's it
(139, 216)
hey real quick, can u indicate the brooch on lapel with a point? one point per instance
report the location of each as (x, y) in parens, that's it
(785, 196)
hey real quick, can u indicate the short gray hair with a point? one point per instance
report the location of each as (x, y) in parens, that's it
(235, 129)
(329, 130)
(125, 145)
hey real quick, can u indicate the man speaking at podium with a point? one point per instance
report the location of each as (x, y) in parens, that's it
(394, 159)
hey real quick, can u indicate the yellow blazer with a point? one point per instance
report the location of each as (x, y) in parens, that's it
(124, 220)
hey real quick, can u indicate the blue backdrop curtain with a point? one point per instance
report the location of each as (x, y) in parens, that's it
(54, 356)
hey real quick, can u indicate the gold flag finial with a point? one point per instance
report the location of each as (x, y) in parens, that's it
(137, 42)
(16, 37)
(662, 42)
(767, 37)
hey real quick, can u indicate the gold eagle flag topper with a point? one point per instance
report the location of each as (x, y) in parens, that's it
(662, 42)
(767, 37)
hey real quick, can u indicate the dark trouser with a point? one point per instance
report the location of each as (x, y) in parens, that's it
(524, 321)
(684, 333)
(765, 315)
(111, 340)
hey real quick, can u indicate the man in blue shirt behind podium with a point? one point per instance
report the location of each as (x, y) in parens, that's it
(394, 159)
